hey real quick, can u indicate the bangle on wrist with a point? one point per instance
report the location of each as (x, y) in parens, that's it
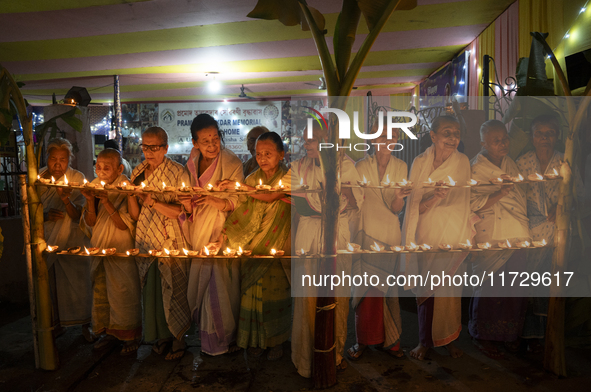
(112, 213)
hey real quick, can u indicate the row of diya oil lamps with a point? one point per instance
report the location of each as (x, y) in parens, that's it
(147, 188)
(77, 250)
(472, 182)
(355, 248)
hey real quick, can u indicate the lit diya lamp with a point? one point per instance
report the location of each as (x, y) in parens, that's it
(243, 252)
(450, 181)
(263, 187)
(174, 252)
(519, 178)
(397, 248)
(376, 247)
(101, 186)
(301, 252)
(553, 175)
(473, 182)
(535, 177)
(429, 182)
(91, 251)
(209, 187)
(185, 188)
(168, 188)
(280, 185)
(52, 180)
(466, 245)
(446, 247)
(364, 182)
(190, 253)
(484, 245)
(238, 187)
(425, 247)
(523, 244)
(277, 253)
(386, 183)
(229, 252)
(505, 244)
(353, 247)
(155, 252)
(133, 252)
(109, 251)
(404, 183)
(43, 180)
(51, 249)
(87, 184)
(205, 251)
(497, 180)
(302, 185)
(538, 244)
(412, 247)
(146, 188)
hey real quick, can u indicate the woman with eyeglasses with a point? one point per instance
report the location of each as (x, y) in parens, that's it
(164, 280)
(214, 288)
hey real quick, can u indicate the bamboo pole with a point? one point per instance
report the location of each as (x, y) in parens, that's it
(31, 283)
(48, 359)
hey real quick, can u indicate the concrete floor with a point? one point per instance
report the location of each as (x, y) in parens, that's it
(88, 371)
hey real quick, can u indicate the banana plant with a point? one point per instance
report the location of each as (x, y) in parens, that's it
(340, 75)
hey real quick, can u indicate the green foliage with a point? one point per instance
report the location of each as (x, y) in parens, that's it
(50, 125)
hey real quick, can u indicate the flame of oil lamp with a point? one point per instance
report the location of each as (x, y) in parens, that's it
(430, 181)
(413, 246)
(273, 252)
(86, 250)
(426, 247)
(375, 247)
(302, 251)
(150, 251)
(526, 243)
(451, 182)
(104, 252)
(555, 172)
(520, 177)
(209, 187)
(84, 182)
(473, 182)
(387, 182)
(103, 184)
(143, 185)
(186, 252)
(52, 180)
(398, 248)
(539, 177)
(205, 249)
(183, 184)
(499, 179)
(301, 181)
(508, 244)
(280, 185)
(403, 182)
(544, 243)
(350, 247)
(127, 252)
(240, 251)
(166, 250)
(228, 250)
(364, 180)
(163, 185)
(124, 183)
(237, 185)
(38, 177)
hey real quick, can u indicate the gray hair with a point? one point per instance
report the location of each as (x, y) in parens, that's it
(59, 143)
(489, 125)
(111, 153)
(158, 132)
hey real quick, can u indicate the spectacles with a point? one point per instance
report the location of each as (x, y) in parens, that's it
(151, 148)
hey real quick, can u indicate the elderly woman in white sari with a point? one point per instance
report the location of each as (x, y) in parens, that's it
(437, 216)
(69, 275)
(116, 307)
(214, 285)
(377, 311)
(497, 313)
(164, 280)
(309, 238)
(542, 200)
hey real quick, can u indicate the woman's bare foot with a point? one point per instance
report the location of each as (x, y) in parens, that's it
(454, 352)
(419, 352)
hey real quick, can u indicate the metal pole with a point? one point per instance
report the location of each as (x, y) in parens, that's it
(22, 179)
(117, 113)
(486, 84)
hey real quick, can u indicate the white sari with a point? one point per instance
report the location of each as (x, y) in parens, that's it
(378, 223)
(309, 238)
(448, 222)
(121, 273)
(214, 285)
(72, 286)
(505, 220)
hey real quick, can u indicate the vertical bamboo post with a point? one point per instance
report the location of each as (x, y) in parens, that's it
(30, 282)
